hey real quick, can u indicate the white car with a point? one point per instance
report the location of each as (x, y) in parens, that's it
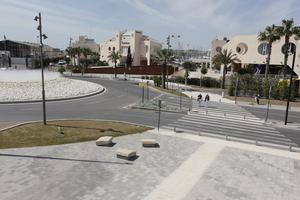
(61, 62)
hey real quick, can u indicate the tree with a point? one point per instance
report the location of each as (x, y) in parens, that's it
(129, 60)
(114, 57)
(270, 35)
(287, 30)
(95, 57)
(225, 58)
(86, 52)
(77, 51)
(165, 56)
(188, 66)
(72, 53)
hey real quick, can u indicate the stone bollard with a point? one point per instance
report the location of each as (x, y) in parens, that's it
(175, 129)
(59, 130)
(206, 112)
(199, 133)
(224, 114)
(256, 142)
(291, 148)
(244, 117)
(226, 137)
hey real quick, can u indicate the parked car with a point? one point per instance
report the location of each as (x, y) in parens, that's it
(61, 62)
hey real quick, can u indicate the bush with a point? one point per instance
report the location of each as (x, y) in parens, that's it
(250, 85)
(179, 79)
(157, 81)
(61, 69)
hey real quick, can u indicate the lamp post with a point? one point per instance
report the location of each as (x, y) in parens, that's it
(293, 51)
(42, 36)
(169, 47)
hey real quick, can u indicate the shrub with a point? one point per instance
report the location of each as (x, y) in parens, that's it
(157, 81)
(61, 69)
(179, 79)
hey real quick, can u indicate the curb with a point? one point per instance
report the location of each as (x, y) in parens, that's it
(170, 111)
(100, 120)
(53, 100)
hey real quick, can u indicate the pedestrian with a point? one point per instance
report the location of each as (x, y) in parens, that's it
(257, 98)
(199, 97)
(207, 98)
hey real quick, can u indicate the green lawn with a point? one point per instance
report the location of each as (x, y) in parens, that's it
(72, 131)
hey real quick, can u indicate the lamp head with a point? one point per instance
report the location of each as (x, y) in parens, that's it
(44, 36)
(36, 18)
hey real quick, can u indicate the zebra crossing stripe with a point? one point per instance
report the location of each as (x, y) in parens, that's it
(222, 134)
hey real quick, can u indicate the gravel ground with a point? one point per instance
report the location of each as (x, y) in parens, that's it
(55, 88)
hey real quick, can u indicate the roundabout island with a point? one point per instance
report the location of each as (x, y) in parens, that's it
(26, 86)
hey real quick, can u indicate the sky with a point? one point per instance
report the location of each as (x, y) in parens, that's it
(197, 22)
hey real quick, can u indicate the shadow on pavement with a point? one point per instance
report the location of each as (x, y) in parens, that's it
(64, 159)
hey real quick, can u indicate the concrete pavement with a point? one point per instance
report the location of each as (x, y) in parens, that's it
(185, 167)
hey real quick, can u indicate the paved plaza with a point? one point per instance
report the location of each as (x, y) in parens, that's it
(185, 167)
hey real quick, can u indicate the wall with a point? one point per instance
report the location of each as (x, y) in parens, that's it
(141, 70)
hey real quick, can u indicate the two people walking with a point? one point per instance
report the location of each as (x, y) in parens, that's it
(206, 99)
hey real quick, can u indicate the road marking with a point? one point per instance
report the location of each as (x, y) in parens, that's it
(30, 109)
(187, 174)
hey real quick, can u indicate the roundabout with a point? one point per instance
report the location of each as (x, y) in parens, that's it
(26, 86)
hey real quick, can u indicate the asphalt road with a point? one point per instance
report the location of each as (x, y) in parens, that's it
(110, 105)
(274, 115)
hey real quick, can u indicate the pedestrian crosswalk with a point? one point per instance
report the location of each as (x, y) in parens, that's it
(228, 121)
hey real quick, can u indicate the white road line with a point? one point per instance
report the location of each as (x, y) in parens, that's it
(259, 129)
(186, 175)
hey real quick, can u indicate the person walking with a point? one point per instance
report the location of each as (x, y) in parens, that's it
(206, 98)
(257, 97)
(199, 97)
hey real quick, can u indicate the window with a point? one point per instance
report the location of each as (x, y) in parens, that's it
(125, 50)
(263, 48)
(291, 48)
(218, 49)
(109, 49)
(114, 48)
(147, 48)
(241, 48)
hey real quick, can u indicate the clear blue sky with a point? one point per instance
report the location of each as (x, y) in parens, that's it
(197, 21)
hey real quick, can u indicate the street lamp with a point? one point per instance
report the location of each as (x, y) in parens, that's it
(42, 36)
(293, 50)
(169, 47)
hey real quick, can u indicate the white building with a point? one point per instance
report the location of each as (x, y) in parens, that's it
(141, 47)
(85, 42)
(250, 51)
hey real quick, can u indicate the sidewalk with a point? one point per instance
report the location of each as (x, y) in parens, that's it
(219, 98)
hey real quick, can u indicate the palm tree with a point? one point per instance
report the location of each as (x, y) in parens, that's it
(165, 57)
(71, 52)
(225, 58)
(188, 66)
(114, 57)
(95, 57)
(86, 52)
(270, 35)
(77, 51)
(287, 30)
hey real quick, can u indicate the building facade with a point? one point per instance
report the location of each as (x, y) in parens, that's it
(250, 51)
(85, 42)
(142, 47)
(23, 53)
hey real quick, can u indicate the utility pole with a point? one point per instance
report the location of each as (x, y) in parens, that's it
(42, 36)
(293, 49)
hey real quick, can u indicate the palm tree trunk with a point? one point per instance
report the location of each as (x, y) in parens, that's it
(164, 75)
(115, 70)
(224, 76)
(286, 55)
(268, 60)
